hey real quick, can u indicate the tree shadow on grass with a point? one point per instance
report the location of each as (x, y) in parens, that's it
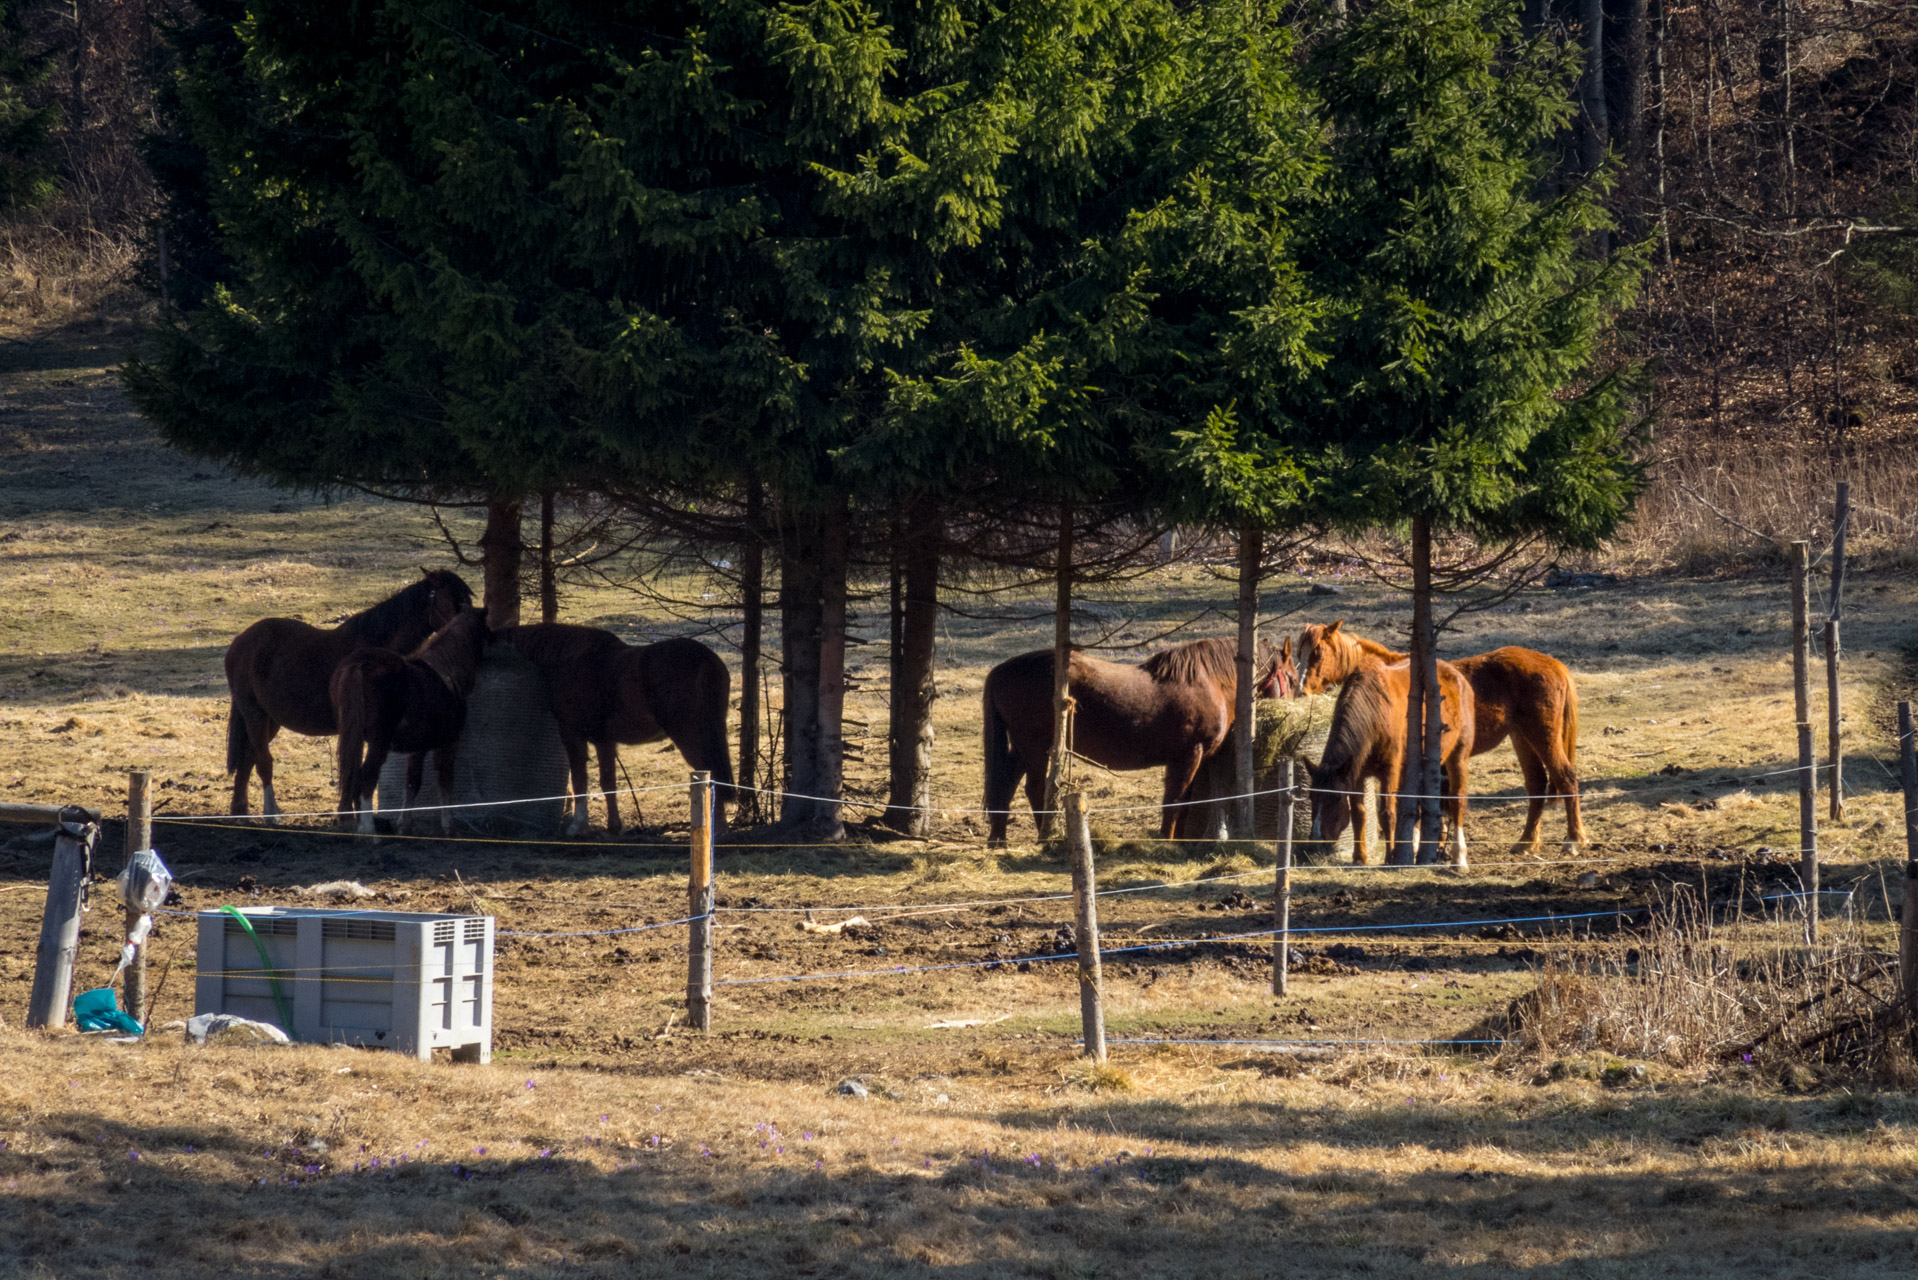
(1293, 1208)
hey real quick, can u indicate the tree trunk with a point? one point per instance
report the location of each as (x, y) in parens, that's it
(1594, 131)
(500, 552)
(1432, 821)
(1629, 121)
(1244, 724)
(1061, 666)
(548, 581)
(1658, 134)
(832, 673)
(752, 606)
(799, 633)
(1413, 784)
(915, 621)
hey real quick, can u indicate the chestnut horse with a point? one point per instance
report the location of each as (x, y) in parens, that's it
(414, 704)
(1367, 740)
(1519, 693)
(1172, 710)
(608, 692)
(279, 671)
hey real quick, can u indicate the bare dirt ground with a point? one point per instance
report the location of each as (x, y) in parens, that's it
(606, 1139)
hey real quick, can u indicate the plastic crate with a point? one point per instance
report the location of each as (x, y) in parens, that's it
(401, 980)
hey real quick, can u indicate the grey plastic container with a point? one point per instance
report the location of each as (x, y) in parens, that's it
(401, 980)
(509, 751)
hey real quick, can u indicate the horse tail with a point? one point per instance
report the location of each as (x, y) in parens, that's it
(349, 694)
(1003, 765)
(239, 747)
(713, 696)
(1571, 725)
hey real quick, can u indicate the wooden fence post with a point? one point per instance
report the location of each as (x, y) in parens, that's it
(1085, 902)
(139, 836)
(1282, 887)
(1908, 939)
(1807, 760)
(1908, 775)
(60, 926)
(699, 946)
(1908, 933)
(1834, 704)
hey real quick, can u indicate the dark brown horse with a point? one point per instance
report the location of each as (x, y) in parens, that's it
(279, 671)
(608, 692)
(1367, 740)
(414, 704)
(1519, 693)
(1173, 711)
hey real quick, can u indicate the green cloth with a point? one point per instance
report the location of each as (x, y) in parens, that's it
(99, 1010)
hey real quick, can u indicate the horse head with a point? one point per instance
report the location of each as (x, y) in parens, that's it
(1320, 657)
(456, 650)
(1330, 812)
(1277, 680)
(447, 595)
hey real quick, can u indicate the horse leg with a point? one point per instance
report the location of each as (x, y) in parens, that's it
(608, 753)
(378, 745)
(1035, 799)
(259, 738)
(575, 748)
(415, 783)
(1562, 776)
(1536, 786)
(1389, 812)
(443, 761)
(1355, 805)
(1454, 803)
(1179, 776)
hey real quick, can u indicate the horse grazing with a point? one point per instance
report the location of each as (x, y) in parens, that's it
(383, 702)
(608, 692)
(278, 671)
(1520, 693)
(1172, 710)
(1367, 740)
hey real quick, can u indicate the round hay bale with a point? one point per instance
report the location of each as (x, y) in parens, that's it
(508, 751)
(1295, 727)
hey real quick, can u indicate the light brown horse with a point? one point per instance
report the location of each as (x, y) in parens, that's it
(1367, 740)
(608, 692)
(1519, 693)
(414, 704)
(279, 671)
(1172, 711)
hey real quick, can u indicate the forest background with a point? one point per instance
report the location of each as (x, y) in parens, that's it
(1768, 151)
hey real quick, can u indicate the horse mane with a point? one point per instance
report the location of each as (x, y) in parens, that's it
(1356, 719)
(453, 652)
(389, 618)
(1214, 660)
(1374, 649)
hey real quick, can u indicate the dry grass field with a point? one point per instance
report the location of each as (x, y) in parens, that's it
(605, 1140)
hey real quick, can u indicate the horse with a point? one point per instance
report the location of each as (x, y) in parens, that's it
(1367, 740)
(607, 692)
(383, 702)
(1173, 711)
(278, 671)
(1522, 694)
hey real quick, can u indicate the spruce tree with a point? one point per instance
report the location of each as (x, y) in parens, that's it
(26, 176)
(1465, 387)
